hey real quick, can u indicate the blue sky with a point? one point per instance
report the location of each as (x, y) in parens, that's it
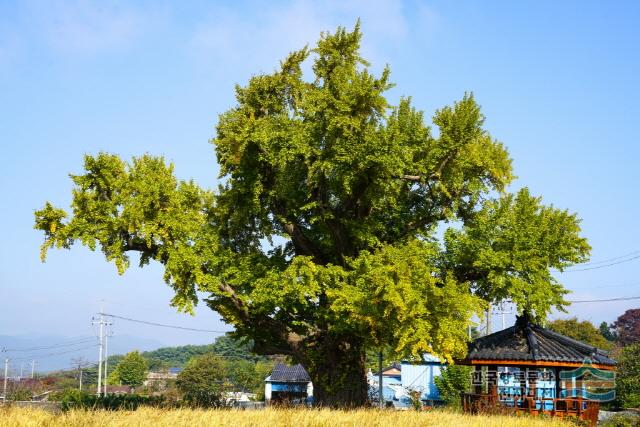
(558, 82)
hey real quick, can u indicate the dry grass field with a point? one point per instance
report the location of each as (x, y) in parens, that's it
(20, 417)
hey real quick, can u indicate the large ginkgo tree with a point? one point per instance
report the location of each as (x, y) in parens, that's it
(341, 223)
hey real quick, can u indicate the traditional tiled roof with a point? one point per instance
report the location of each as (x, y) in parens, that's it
(291, 374)
(526, 341)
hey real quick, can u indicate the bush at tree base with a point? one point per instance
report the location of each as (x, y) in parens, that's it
(75, 399)
(454, 380)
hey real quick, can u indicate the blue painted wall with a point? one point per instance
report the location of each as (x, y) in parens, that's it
(421, 377)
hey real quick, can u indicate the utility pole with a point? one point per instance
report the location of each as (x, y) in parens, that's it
(100, 322)
(33, 368)
(106, 357)
(6, 372)
(21, 370)
(501, 311)
(488, 314)
(81, 363)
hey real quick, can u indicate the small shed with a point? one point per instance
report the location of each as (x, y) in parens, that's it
(400, 379)
(531, 369)
(288, 385)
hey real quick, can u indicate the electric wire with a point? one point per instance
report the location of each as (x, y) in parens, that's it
(162, 324)
(41, 356)
(610, 259)
(573, 270)
(69, 344)
(605, 300)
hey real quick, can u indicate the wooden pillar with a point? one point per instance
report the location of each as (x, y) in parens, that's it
(556, 372)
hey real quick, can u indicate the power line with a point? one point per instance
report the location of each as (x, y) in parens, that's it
(40, 356)
(597, 286)
(69, 344)
(605, 300)
(611, 259)
(601, 266)
(162, 325)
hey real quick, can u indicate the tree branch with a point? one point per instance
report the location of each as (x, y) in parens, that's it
(434, 175)
(264, 323)
(302, 244)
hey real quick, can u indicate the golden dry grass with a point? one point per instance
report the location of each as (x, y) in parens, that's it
(22, 417)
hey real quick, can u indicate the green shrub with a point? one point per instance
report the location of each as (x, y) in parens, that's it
(202, 382)
(75, 399)
(628, 377)
(453, 380)
(622, 420)
(19, 394)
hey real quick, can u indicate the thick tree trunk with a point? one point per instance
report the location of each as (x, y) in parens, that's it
(337, 369)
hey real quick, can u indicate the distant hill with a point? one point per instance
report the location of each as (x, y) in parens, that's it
(225, 346)
(55, 352)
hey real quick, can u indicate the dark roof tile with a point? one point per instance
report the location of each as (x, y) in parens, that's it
(526, 341)
(284, 373)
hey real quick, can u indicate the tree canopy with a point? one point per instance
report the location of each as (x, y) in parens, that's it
(202, 382)
(224, 346)
(131, 370)
(583, 331)
(627, 327)
(323, 237)
(605, 331)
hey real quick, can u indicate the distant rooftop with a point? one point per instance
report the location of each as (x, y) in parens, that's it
(292, 374)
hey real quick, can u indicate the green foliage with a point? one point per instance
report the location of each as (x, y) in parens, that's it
(454, 380)
(416, 399)
(583, 331)
(262, 370)
(381, 296)
(628, 377)
(323, 235)
(508, 248)
(621, 420)
(226, 346)
(248, 376)
(202, 381)
(371, 356)
(69, 398)
(606, 332)
(131, 371)
(19, 394)
(74, 399)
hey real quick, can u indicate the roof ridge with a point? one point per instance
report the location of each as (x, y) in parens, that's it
(532, 341)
